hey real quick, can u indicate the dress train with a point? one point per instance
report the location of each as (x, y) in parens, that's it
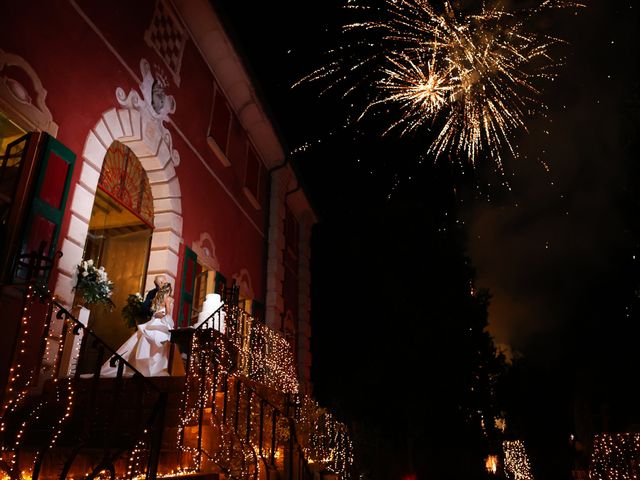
(147, 350)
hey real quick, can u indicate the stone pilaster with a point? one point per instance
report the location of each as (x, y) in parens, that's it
(274, 303)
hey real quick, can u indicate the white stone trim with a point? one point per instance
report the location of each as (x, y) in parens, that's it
(165, 189)
(155, 137)
(125, 121)
(243, 281)
(82, 202)
(125, 126)
(112, 120)
(71, 256)
(205, 249)
(94, 151)
(24, 103)
(166, 240)
(161, 205)
(168, 221)
(78, 229)
(89, 177)
(163, 261)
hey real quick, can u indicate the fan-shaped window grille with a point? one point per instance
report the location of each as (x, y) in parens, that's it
(124, 179)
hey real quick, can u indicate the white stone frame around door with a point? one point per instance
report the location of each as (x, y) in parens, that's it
(125, 126)
(140, 128)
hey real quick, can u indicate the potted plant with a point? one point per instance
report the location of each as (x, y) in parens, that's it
(134, 312)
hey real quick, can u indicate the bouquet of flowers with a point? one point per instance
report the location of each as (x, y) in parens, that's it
(133, 312)
(94, 285)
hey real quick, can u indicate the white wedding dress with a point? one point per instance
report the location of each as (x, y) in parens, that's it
(147, 350)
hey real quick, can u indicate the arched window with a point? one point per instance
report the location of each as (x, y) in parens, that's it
(123, 178)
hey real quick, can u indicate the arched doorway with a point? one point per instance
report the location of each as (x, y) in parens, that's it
(119, 236)
(140, 128)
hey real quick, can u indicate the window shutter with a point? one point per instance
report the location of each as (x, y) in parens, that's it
(189, 273)
(252, 175)
(200, 290)
(257, 310)
(238, 147)
(221, 121)
(48, 204)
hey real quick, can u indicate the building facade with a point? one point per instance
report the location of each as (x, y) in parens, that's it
(132, 136)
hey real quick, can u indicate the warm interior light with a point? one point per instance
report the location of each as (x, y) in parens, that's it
(491, 464)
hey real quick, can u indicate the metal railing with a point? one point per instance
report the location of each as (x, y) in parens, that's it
(236, 424)
(56, 424)
(115, 423)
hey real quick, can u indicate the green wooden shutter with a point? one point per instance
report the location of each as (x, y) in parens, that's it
(48, 203)
(189, 272)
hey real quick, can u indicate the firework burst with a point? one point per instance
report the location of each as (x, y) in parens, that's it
(471, 78)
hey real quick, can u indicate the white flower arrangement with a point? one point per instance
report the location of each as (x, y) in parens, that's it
(94, 284)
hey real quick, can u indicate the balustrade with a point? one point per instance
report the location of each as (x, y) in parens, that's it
(236, 411)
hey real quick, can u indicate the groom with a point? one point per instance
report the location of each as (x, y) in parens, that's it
(159, 281)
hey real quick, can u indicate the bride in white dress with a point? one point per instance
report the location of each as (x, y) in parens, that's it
(147, 350)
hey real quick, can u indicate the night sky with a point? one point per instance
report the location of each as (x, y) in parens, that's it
(558, 251)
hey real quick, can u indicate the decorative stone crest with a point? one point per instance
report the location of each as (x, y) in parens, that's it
(25, 99)
(243, 280)
(206, 251)
(155, 106)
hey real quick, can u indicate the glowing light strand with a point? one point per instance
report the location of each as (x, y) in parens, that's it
(260, 390)
(516, 461)
(616, 456)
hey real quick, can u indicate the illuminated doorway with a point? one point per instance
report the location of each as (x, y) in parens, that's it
(119, 236)
(12, 144)
(10, 161)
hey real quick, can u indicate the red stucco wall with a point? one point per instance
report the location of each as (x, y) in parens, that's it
(81, 73)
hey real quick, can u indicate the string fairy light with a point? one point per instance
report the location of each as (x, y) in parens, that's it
(328, 442)
(265, 355)
(58, 403)
(616, 456)
(262, 418)
(20, 381)
(516, 461)
(63, 392)
(260, 381)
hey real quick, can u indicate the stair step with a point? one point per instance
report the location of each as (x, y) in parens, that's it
(196, 476)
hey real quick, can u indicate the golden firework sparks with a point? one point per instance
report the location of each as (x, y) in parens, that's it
(418, 87)
(469, 77)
